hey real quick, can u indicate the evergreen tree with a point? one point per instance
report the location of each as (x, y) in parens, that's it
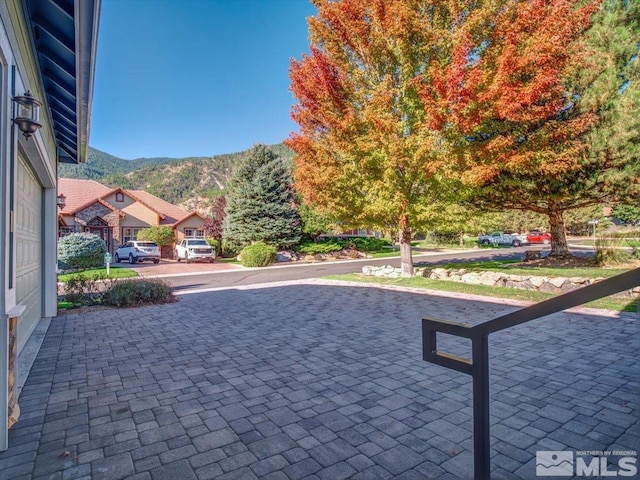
(260, 202)
(628, 213)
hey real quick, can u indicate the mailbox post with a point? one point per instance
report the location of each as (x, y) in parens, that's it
(107, 261)
(594, 223)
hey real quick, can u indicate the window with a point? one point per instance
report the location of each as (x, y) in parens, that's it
(193, 233)
(64, 231)
(130, 233)
(119, 197)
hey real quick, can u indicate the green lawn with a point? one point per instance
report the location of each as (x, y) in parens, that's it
(609, 303)
(94, 273)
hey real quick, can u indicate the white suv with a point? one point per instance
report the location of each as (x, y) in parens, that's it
(193, 249)
(138, 251)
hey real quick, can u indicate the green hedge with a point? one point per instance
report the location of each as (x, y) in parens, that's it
(313, 248)
(258, 255)
(363, 244)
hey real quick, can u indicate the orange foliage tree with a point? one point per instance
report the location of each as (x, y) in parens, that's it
(370, 149)
(397, 99)
(516, 106)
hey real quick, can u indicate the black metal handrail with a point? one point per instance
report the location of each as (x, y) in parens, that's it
(478, 365)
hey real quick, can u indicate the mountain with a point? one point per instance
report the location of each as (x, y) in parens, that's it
(191, 183)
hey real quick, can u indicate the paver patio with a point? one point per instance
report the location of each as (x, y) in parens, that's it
(314, 381)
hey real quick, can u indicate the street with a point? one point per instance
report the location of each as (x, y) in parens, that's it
(288, 272)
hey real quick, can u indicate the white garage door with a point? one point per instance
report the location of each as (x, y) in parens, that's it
(28, 231)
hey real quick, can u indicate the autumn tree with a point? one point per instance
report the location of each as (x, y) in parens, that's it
(214, 223)
(260, 201)
(546, 108)
(369, 150)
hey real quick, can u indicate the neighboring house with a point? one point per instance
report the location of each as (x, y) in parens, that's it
(117, 215)
(47, 48)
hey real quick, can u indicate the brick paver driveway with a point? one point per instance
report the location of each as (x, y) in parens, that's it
(313, 381)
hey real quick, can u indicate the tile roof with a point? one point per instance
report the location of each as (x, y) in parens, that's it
(79, 192)
(172, 213)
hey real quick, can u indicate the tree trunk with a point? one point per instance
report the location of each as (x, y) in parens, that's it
(406, 260)
(559, 247)
(461, 238)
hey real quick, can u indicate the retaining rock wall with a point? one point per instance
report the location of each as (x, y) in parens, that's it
(494, 279)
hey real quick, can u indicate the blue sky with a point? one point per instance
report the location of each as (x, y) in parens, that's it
(180, 78)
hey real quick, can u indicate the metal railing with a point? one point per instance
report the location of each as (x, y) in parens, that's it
(478, 365)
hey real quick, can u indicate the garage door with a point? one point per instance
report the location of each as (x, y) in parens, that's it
(28, 230)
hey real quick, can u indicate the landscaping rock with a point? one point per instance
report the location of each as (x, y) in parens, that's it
(495, 279)
(283, 256)
(471, 278)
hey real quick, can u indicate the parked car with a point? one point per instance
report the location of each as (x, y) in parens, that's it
(195, 249)
(138, 251)
(536, 236)
(500, 238)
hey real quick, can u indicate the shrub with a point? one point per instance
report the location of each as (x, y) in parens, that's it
(216, 244)
(608, 252)
(163, 236)
(363, 244)
(369, 244)
(635, 247)
(230, 249)
(442, 238)
(258, 255)
(625, 234)
(313, 248)
(133, 293)
(79, 289)
(80, 251)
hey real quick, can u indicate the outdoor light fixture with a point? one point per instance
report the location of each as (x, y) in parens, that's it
(61, 200)
(28, 114)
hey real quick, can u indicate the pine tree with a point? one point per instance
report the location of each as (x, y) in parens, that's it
(260, 202)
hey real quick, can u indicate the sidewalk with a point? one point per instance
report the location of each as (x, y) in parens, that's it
(318, 381)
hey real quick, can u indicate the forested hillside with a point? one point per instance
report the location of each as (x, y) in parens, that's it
(193, 183)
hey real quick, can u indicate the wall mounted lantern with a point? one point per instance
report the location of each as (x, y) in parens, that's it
(28, 114)
(61, 201)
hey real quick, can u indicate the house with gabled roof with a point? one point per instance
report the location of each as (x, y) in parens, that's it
(118, 214)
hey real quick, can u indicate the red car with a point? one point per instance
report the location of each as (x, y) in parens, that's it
(536, 236)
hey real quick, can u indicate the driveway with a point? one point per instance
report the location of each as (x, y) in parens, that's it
(318, 380)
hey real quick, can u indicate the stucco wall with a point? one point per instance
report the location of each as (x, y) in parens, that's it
(137, 215)
(194, 222)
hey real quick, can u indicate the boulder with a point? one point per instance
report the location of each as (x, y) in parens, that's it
(284, 256)
(472, 278)
(367, 270)
(439, 274)
(557, 281)
(491, 278)
(537, 281)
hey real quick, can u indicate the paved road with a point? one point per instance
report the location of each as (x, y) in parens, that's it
(300, 272)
